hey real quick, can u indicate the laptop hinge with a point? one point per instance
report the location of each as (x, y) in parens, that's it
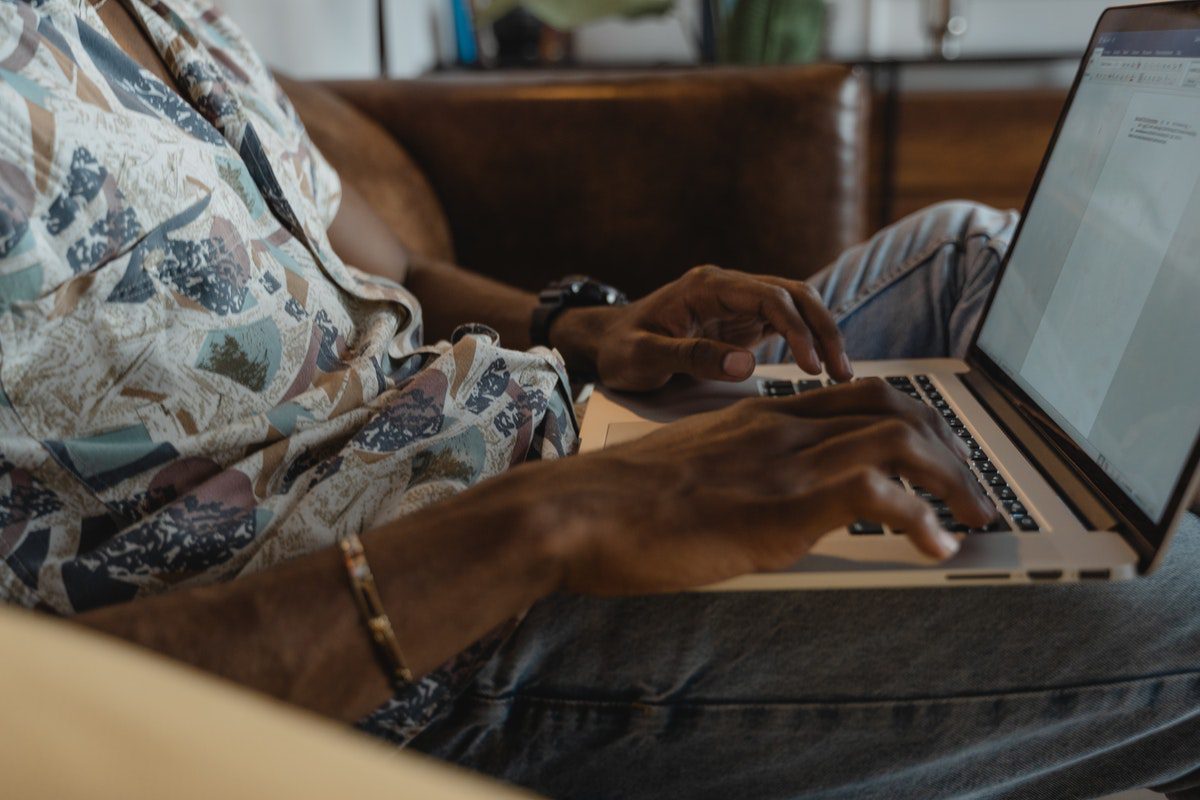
(1075, 490)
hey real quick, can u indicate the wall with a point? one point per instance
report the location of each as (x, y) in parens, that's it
(336, 38)
(320, 38)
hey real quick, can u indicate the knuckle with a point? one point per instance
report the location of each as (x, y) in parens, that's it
(898, 434)
(771, 428)
(811, 293)
(930, 417)
(641, 347)
(703, 354)
(749, 409)
(703, 272)
(866, 484)
(777, 296)
(876, 389)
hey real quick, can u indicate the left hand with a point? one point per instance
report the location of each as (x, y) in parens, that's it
(703, 325)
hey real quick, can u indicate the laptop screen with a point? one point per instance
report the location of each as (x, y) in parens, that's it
(1097, 314)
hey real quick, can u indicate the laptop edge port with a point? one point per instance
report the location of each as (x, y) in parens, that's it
(1045, 574)
(1095, 574)
(978, 576)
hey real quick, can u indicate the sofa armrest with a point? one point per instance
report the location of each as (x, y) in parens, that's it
(368, 157)
(635, 177)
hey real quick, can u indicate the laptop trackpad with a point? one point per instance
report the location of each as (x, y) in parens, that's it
(621, 432)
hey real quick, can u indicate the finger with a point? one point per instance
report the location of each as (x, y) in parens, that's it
(820, 322)
(765, 453)
(874, 397)
(742, 294)
(702, 358)
(898, 449)
(781, 433)
(861, 493)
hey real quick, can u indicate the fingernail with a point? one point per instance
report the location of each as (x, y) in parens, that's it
(738, 365)
(947, 544)
(846, 367)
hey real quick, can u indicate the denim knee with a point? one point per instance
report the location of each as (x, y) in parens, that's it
(964, 221)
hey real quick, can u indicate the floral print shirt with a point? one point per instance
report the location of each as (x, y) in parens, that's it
(193, 386)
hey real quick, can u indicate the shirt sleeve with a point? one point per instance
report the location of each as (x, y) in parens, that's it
(46, 516)
(246, 67)
(327, 186)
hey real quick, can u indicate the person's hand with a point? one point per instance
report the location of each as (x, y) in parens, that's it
(753, 487)
(702, 325)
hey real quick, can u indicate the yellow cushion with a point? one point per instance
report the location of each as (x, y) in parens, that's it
(87, 716)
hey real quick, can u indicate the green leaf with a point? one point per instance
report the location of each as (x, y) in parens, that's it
(774, 32)
(568, 14)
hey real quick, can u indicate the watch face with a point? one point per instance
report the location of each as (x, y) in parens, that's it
(579, 290)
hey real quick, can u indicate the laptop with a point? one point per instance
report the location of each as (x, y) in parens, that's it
(1080, 396)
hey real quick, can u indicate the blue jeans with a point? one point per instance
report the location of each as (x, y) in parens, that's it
(1038, 692)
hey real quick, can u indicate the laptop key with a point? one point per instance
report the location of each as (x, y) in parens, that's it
(998, 525)
(1027, 524)
(808, 386)
(997, 481)
(1015, 508)
(865, 528)
(1005, 493)
(986, 467)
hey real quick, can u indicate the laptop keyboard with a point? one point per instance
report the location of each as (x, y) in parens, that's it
(1011, 512)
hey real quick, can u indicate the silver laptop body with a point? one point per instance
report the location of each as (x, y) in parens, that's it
(1081, 392)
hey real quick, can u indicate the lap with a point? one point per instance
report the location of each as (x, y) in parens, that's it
(850, 688)
(860, 644)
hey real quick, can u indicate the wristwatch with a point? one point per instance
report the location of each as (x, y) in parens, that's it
(573, 291)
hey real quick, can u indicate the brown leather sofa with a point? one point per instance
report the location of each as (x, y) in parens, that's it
(632, 177)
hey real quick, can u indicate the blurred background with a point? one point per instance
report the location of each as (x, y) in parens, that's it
(966, 92)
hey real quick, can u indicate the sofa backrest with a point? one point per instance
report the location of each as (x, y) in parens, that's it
(365, 154)
(634, 177)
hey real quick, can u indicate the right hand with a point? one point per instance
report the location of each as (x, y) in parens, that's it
(753, 487)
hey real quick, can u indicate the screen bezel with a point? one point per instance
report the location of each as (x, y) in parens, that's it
(1183, 15)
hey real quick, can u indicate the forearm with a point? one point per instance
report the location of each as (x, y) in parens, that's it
(451, 296)
(447, 575)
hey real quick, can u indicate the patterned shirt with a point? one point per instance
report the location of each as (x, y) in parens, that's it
(193, 386)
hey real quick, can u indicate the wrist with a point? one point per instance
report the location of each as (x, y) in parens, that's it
(560, 522)
(454, 571)
(524, 517)
(577, 333)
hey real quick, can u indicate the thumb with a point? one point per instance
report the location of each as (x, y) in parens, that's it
(707, 358)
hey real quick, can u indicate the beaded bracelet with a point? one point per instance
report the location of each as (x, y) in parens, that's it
(370, 605)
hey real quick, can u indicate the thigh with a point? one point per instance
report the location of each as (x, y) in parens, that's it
(918, 287)
(1067, 691)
